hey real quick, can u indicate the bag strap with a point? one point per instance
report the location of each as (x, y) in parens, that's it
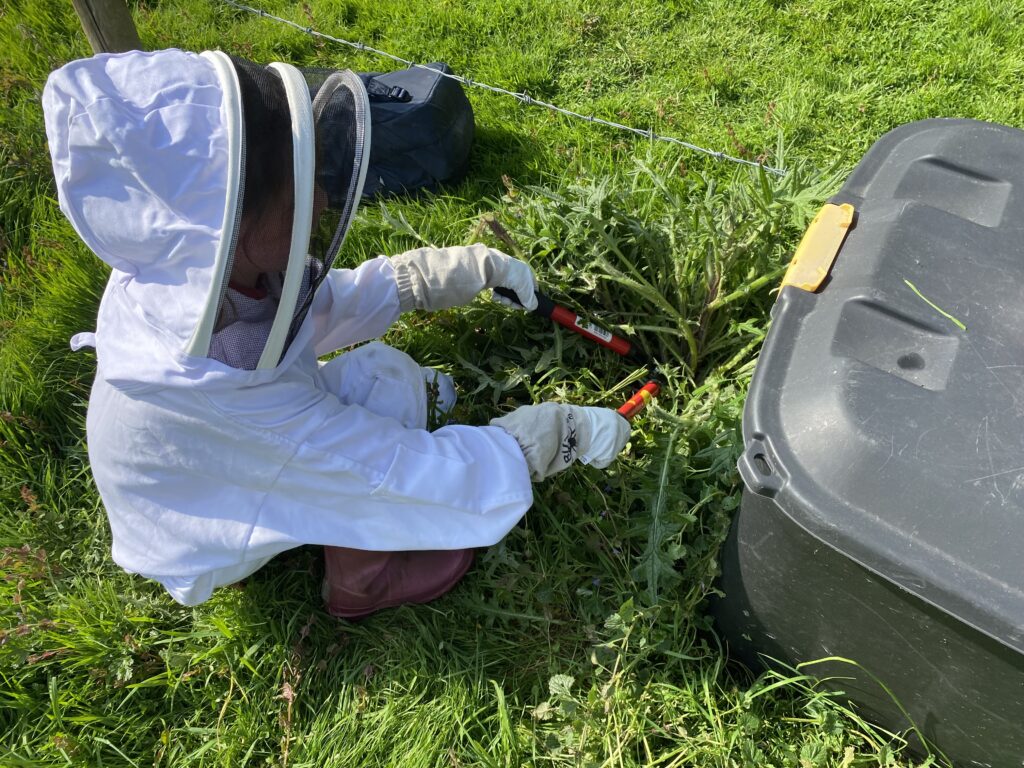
(378, 91)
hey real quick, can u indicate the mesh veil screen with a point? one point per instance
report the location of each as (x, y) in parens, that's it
(264, 230)
(263, 239)
(340, 119)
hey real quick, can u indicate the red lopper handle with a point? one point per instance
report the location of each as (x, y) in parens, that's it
(569, 319)
(636, 403)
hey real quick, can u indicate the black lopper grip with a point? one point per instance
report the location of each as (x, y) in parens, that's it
(545, 306)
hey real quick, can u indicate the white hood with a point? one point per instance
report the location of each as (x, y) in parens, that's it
(146, 149)
(148, 157)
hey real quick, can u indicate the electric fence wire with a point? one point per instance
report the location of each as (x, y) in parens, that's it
(523, 97)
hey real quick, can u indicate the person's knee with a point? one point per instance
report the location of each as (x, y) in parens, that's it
(382, 379)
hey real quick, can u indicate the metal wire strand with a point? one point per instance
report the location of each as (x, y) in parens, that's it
(523, 98)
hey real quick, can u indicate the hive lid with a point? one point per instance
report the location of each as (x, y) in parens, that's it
(874, 420)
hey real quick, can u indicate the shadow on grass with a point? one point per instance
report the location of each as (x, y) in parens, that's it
(498, 152)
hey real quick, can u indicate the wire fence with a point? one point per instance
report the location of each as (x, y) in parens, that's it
(522, 97)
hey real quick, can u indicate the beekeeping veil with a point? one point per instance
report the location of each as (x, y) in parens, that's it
(183, 171)
(306, 140)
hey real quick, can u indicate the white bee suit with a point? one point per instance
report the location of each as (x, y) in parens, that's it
(207, 470)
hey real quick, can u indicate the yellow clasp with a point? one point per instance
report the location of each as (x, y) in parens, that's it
(817, 251)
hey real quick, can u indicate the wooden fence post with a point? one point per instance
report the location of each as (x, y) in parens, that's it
(108, 25)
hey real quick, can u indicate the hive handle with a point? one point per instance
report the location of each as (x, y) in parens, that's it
(759, 469)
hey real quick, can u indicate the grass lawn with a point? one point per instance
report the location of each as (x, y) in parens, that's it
(583, 638)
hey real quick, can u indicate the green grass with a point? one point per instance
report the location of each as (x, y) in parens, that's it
(583, 638)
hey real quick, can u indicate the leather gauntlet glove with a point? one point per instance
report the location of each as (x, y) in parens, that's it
(433, 279)
(552, 436)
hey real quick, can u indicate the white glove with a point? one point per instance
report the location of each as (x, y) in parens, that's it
(609, 433)
(433, 279)
(553, 435)
(520, 280)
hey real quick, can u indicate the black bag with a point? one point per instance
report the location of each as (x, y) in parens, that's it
(422, 130)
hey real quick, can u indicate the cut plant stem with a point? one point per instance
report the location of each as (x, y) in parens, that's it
(934, 306)
(749, 288)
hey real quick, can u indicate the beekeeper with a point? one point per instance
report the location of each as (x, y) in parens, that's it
(219, 192)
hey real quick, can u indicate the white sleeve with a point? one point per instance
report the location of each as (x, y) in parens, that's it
(365, 481)
(354, 305)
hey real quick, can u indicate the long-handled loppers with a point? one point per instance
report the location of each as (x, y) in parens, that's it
(565, 317)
